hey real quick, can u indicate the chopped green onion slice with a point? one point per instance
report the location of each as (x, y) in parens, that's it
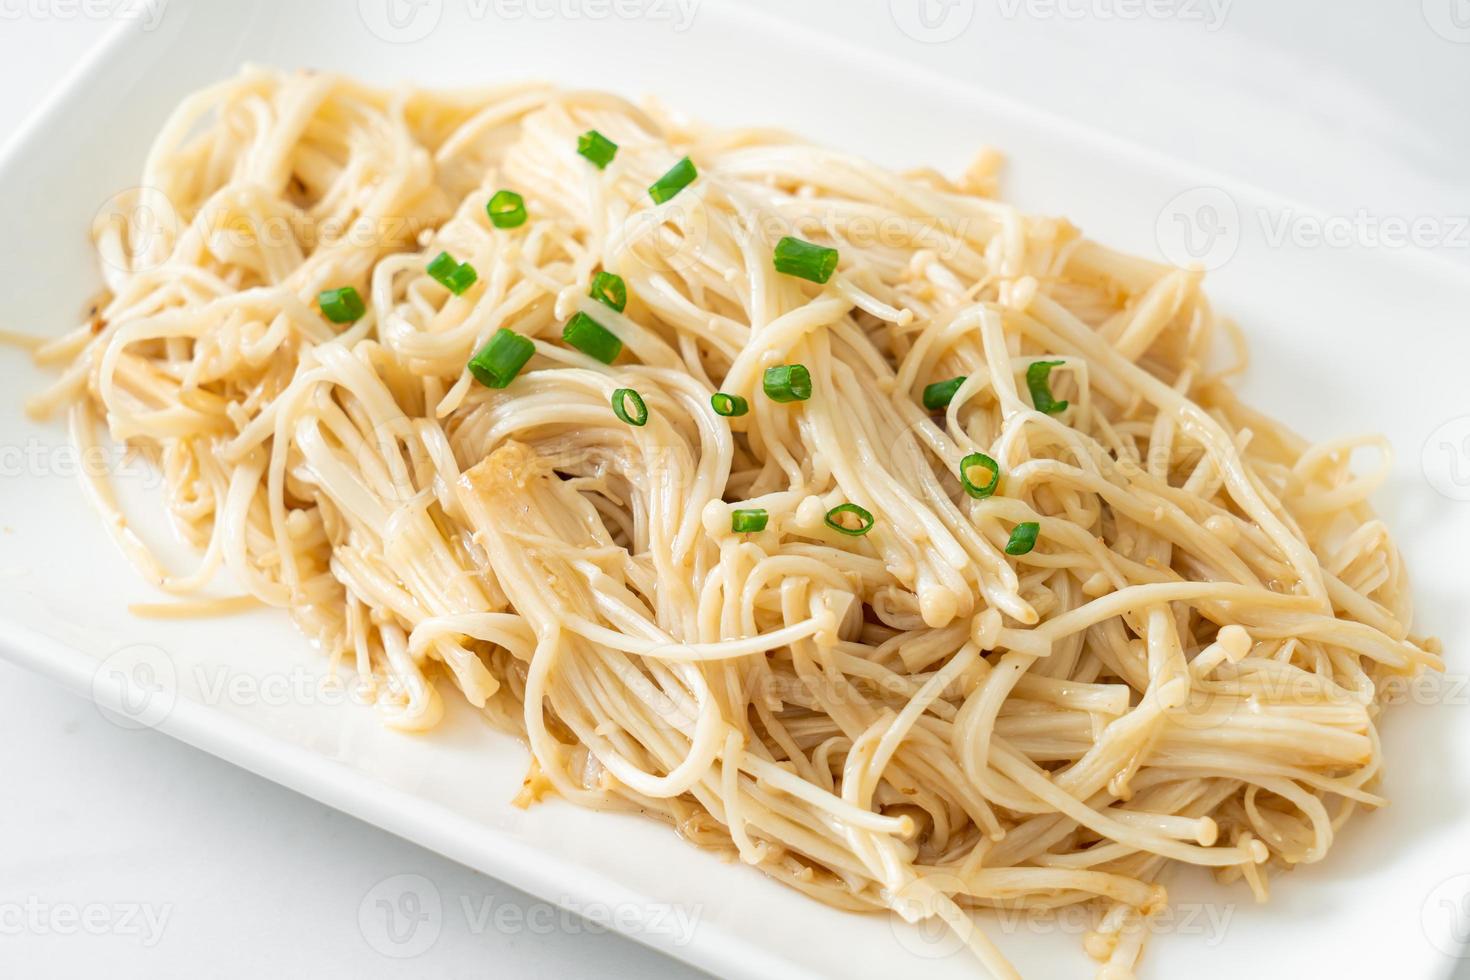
(1038, 379)
(749, 521)
(341, 305)
(442, 265)
(728, 405)
(592, 338)
(461, 279)
(453, 276)
(499, 361)
(941, 393)
(507, 209)
(597, 148)
(620, 400)
(1023, 538)
(609, 290)
(977, 490)
(788, 383)
(680, 176)
(865, 520)
(814, 263)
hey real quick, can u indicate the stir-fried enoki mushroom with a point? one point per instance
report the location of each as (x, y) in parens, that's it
(909, 547)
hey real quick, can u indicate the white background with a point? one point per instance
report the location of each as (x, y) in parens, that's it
(256, 880)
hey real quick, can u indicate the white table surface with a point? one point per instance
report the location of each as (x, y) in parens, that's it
(124, 854)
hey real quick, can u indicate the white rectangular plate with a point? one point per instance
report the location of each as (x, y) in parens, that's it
(1345, 340)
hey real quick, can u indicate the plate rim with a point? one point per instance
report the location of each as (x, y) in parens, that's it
(440, 828)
